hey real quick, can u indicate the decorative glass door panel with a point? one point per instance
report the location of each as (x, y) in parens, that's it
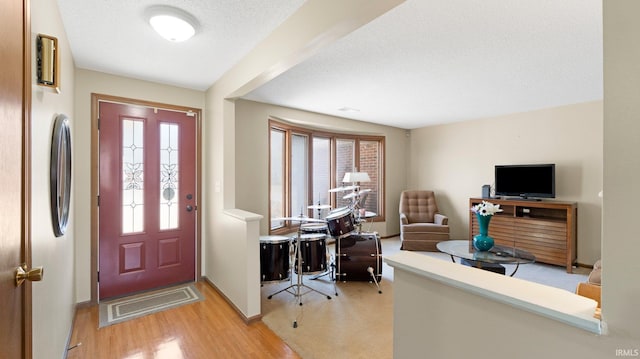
(169, 174)
(132, 176)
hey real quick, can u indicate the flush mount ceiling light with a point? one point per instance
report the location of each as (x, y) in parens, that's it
(172, 23)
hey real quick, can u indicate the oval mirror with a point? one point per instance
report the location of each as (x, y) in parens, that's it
(60, 174)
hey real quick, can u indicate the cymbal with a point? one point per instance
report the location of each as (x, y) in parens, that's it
(342, 189)
(350, 195)
(353, 194)
(369, 214)
(299, 219)
(319, 206)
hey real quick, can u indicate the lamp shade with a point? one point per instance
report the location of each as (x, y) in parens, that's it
(356, 177)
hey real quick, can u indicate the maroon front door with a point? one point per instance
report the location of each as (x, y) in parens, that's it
(147, 198)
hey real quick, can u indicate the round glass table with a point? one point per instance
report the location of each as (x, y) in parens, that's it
(489, 260)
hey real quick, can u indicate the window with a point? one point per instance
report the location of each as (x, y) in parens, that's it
(306, 164)
(299, 175)
(321, 170)
(276, 193)
(369, 161)
(345, 162)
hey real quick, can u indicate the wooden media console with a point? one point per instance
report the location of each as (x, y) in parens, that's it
(548, 229)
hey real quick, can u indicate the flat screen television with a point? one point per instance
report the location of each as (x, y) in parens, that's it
(526, 181)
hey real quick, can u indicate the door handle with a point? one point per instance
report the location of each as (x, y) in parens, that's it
(34, 275)
(189, 208)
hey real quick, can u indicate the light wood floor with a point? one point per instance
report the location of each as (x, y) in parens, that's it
(207, 329)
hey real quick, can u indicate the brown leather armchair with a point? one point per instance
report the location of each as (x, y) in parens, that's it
(421, 226)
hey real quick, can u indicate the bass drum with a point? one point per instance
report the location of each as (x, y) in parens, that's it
(340, 222)
(274, 258)
(355, 254)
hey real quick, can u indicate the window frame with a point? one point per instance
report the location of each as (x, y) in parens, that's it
(312, 133)
(284, 198)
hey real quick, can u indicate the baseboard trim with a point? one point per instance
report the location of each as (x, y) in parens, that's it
(390, 236)
(85, 304)
(582, 265)
(247, 320)
(68, 345)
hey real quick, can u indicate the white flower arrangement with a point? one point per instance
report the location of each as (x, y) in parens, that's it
(486, 208)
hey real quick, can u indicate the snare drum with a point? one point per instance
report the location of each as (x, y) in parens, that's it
(274, 258)
(340, 222)
(313, 251)
(309, 228)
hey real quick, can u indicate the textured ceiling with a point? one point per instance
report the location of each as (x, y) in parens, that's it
(113, 36)
(429, 62)
(425, 62)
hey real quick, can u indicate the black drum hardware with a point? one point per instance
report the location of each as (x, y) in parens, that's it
(310, 248)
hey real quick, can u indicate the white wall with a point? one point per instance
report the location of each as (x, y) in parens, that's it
(88, 82)
(455, 160)
(53, 297)
(620, 244)
(252, 157)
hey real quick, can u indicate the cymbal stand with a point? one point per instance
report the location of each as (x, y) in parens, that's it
(319, 210)
(356, 208)
(296, 289)
(359, 217)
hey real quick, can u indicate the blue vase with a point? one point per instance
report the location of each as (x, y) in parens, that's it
(482, 242)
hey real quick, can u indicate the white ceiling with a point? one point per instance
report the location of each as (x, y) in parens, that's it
(425, 62)
(113, 36)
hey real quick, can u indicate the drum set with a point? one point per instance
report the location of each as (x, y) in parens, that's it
(358, 255)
